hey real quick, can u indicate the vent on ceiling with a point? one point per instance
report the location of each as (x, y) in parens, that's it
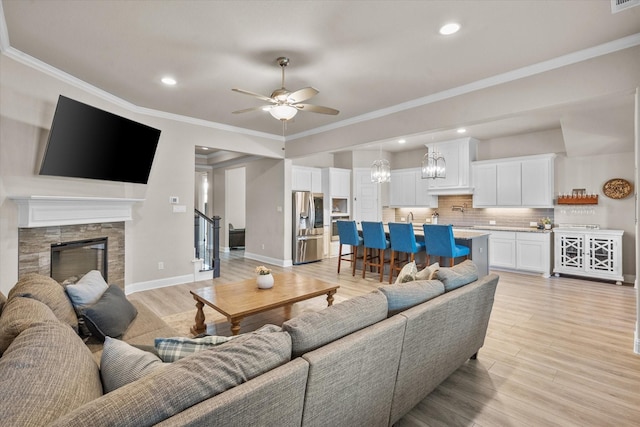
(620, 5)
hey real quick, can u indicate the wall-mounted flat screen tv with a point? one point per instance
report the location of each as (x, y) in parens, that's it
(87, 142)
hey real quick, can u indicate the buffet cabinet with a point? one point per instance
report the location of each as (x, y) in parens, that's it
(592, 253)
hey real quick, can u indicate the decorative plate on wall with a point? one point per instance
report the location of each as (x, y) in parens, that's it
(617, 188)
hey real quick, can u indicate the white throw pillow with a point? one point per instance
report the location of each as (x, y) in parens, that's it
(408, 273)
(428, 273)
(87, 290)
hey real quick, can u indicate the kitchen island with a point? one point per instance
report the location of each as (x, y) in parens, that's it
(476, 240)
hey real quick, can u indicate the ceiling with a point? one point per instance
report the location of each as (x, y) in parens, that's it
(362, 56)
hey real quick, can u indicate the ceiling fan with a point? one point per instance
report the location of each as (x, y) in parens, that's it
(284, 105)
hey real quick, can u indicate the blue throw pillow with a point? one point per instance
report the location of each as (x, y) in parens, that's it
(111, 315)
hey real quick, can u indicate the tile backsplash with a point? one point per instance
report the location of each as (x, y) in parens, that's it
(469, 216)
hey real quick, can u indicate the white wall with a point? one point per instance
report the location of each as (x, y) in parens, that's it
(236, 183)
(27, 102)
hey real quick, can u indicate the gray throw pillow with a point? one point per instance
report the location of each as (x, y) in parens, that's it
(406, 295)
(458, 275)
(121, 364)
(111, 315)
(407, 273)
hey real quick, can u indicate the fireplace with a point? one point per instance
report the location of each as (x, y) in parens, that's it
(37, 249)
(72, 260)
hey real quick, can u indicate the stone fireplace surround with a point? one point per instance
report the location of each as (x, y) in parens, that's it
(47, 220)
(34, 246)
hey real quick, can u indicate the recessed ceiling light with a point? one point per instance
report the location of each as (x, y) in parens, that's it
(461, 130)
(449, 28)
(402, 141)
(205, 148)
(169, 81)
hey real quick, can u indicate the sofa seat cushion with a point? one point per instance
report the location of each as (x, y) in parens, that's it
(182, 384)
(458, 275)
(49, 292)
(406, 295)
(20, 314)
(45, 373)
(314, 329)
(111, 315)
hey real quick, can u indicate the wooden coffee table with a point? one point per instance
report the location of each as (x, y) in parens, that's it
(238, 300)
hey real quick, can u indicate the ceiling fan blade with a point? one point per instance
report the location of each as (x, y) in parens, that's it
(257, 95)
(302, 94)
(316, 109)
(246, 110)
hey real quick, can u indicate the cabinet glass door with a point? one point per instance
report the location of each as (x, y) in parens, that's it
(601, 252)
(572, 252)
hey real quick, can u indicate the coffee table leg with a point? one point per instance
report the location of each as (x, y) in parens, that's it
(330, 297)
(287, 311)
(199, 326)
(235, 325)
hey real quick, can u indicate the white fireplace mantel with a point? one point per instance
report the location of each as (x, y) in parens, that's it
(46, 211)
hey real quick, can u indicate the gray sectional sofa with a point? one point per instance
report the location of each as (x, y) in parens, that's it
(351, 364)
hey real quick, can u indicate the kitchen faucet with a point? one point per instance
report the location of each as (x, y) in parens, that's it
(410, 213)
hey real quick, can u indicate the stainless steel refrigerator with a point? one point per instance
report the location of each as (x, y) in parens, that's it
(308, 227)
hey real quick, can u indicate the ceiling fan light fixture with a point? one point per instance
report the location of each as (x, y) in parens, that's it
(283, 112)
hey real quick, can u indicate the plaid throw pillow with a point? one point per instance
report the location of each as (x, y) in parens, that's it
(175, 348)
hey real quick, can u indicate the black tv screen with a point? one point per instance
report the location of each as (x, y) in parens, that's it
(87, 142)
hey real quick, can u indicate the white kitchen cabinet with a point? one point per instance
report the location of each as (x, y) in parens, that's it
(591, 253)
(304, 178)
(514, 182)
(502, 249)
(408, 189)
(508, 184)
(458, 155)
(521, 251)
(339, 182)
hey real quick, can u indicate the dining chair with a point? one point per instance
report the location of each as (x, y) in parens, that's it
(348, 235)
(403, 241)
(440, 242)
(375, 239)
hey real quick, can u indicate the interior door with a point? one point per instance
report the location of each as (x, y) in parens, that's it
(366, 206)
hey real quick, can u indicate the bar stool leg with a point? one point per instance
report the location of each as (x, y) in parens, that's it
(354, 259)
(339, 257)
(381, 262)
(364, 262)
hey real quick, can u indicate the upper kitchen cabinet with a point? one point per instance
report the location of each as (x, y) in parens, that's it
(407, 189)
(337, 185)
(514, 182)
(304, 178)
(458, 155)
(338, 181)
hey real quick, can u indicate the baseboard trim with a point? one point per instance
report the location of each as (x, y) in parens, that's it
(268, 260)
(160, 283)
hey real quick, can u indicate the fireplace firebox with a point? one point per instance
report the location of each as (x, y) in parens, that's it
(72, 260)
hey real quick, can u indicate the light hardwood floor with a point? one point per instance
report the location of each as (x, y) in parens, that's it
(558, 352)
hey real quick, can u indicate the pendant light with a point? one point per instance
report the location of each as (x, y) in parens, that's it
(433, 165)
(380, 170)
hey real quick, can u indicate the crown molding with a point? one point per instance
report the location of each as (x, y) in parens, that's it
(509, 76)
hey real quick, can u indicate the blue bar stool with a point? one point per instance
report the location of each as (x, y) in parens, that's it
(403, 241)
(440, 242)
(348, 234)
(374, 239)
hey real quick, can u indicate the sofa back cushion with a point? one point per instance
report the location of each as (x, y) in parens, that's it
(49, 292)
(45, 373)
(19, 314)
(458, 275)
(406, 295)
(182, 384)
(314, 329)
(3, 299)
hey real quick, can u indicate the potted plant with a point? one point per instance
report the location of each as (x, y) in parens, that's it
(265, 278)
(547, 223)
